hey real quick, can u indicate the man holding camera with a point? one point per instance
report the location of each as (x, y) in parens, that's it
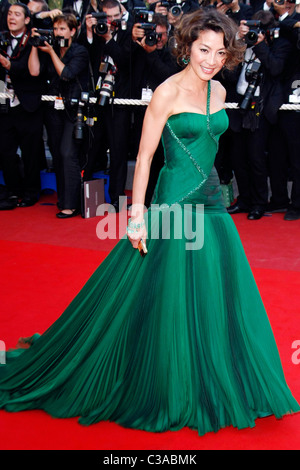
(21, 116)
(284, 161)
(108, 41)
(153, 63)
(260, 98)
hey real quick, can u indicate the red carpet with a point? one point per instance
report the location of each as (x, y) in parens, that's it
(45, 262)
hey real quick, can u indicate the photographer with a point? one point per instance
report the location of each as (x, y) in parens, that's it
(65, 67)
(284, 161)
(21, 115)
(108, 43)
(259, 89)
(41, 16)
(235, 9)
(153, 63)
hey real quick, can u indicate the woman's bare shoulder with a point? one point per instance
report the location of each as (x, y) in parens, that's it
(166, 93)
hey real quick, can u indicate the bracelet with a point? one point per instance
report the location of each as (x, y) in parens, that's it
(133, 227)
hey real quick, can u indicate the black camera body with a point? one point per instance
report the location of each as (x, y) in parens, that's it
(4, 39)
(142, 15)
(79, 123)
(145, 18)
(253, 76)
(46, 35)
(101, 27)
(150, 33)
(254, 29)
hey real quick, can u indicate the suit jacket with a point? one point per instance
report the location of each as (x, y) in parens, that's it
(119, 50)
(27, 88)
(73, 79)
(150, 69)
(274, 59)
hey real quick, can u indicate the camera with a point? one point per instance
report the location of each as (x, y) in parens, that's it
(4, 39)
(175, 7)
(79, 123)
(46, 35)
(150, 33)
(271, 34)
(143, 16)
(101, 26)
(106, 81)
(253, 77)
(254, 29)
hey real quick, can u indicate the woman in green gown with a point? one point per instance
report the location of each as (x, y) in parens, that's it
(179, 337)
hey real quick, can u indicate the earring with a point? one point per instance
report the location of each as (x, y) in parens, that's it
(185, 59)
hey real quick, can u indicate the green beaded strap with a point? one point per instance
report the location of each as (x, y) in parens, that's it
(208, 116)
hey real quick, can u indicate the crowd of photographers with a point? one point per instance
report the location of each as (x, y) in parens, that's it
(77, 50)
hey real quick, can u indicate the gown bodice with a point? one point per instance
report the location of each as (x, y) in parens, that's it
(190, 142)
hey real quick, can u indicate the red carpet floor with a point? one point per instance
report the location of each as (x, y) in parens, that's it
(45, 262)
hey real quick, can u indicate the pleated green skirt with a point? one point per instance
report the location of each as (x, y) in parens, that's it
(177, 338)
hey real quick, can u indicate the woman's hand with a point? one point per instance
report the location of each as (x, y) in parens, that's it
(136, 231)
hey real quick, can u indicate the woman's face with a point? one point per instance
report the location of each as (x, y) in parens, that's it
(208, 54)
(61, 29)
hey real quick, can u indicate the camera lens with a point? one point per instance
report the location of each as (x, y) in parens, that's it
(251, 38)
(175, 10)
(151, 39)
(100, 28)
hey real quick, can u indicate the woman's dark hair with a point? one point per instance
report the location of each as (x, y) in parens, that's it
(68, 18)
(192, 24)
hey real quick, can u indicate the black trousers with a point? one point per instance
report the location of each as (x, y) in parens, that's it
(118, 124)
(66, 153)
(249, 163)
(20, 128)
(284, 158)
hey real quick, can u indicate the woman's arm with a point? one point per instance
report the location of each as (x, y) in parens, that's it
(158, 111)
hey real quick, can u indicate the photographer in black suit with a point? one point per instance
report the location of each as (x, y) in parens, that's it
(109, 50)
(21, 116)
(152, 64)
(259, 91)
(64, 67)
(284, 161)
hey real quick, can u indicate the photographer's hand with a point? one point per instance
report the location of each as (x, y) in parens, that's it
(50, 14)
(260, 38)
(160, 9)
(243, 29)
(145, 46)
(90, 21)
(5, 62)
(137, 33)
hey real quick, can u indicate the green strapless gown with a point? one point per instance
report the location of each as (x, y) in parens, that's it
(177, 338)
